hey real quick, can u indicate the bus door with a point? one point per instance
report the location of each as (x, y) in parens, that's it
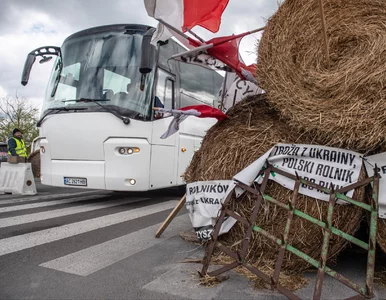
(163, 165)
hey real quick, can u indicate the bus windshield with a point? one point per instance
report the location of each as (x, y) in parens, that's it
(103, 66)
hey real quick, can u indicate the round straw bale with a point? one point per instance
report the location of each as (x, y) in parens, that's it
(231, 145)
(34, 159)
(342, 103)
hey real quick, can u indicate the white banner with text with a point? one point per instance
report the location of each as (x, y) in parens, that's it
(203, 201)
(325, 166)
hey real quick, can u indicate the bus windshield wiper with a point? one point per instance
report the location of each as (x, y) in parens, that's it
(56, 110)
(125, 120)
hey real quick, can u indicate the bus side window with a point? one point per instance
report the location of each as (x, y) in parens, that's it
(164, 96)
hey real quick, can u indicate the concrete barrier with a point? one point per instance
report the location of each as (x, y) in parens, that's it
(17, 179)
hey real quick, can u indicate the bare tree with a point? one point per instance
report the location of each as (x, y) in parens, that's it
(18, 113)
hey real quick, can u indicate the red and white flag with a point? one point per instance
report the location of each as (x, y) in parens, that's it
(226, 49)
(179, 115)
(221, 53)
(184, 15)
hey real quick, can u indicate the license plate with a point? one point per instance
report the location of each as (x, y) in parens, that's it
(75, 181)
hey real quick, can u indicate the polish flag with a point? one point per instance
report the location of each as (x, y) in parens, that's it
(179, 115)
(220, 53)
(184, 15)
(226, 49)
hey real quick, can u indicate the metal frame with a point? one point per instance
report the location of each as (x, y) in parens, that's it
(240, 256)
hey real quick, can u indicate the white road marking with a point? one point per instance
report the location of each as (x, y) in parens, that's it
(37, 238)
(61, 212)
(47, 203)
(95, 258)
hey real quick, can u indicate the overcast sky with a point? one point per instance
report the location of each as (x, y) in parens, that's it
(29, 24)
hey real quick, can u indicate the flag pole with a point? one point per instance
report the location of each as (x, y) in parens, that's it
(193, 51)
(238, 36)
(196, 43)
(257, 30)
(223, 90)
(176, 111)
(195, 35)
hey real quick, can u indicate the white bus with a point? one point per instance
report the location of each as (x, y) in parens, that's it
(98, 129)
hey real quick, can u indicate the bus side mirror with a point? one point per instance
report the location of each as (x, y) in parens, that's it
(27, 68)
(45, 52)
(147, 52)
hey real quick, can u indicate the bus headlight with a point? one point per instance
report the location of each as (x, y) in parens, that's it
(133, 150)
(42, 149)
(133, 181)
(128, 150)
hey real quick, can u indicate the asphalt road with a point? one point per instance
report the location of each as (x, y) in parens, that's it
(84, 244)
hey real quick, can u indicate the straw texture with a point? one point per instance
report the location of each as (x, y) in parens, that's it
(343, 105)
(229, 146)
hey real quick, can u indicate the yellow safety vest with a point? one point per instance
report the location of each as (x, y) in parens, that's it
(21, 150)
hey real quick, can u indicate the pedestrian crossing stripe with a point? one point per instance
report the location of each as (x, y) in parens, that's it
(41, 237)
(52, 214)
(47, 203)
(48, 198)
(95, 258)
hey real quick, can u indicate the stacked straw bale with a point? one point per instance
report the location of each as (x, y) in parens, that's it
(344, 104)
(34, 159)
(229, 146)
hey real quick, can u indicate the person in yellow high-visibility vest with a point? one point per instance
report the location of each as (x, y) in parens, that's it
(16, 145)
